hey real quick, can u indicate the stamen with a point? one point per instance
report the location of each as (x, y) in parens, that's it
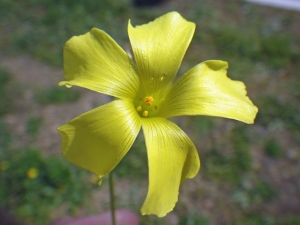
(155, 107)
(139, 108)
(149, 100)
(145, 113)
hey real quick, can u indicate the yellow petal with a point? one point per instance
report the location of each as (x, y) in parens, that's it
(96, 62)
(172, 157)
(98, 140)
(206, 90)
(159, 47)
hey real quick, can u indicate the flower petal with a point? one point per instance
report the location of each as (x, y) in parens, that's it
(206, 90)
(98, 140)
(172, 157)
(159, 47)
(95, 61)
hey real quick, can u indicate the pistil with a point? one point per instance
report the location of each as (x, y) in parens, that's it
(145, 106)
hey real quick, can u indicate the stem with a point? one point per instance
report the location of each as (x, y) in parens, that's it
(112, 198)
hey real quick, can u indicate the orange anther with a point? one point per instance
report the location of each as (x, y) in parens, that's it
(149, 100)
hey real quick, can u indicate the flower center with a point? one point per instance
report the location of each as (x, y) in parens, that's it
(146, 106)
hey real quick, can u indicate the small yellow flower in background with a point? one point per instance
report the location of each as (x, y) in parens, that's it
(146, 96)
(4, 165)
(93, 179)
(32, 173)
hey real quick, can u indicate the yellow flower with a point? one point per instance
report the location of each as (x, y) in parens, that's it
(146, 96)
(32, 173)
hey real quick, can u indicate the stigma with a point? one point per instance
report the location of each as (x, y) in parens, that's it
(146, 106)
(149, 100)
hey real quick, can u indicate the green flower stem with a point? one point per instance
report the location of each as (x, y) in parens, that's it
(112, 198)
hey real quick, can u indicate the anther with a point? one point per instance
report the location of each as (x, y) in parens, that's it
(145, 113)
(139, 108)
(149, 100)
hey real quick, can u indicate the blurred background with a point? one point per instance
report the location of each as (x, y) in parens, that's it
(250, 174)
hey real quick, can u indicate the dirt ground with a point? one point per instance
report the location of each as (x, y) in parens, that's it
(30, 75)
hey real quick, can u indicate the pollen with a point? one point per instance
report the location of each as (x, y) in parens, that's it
(145, 113)
(149, 100)
(146, 106)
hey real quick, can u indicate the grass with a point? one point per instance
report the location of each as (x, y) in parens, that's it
(230, 164)
(253, 219)
(47, 25)
(203, 124)
(55, 95)
(194, 219)
(273, 149)
(275, 110)
(5, 135)
(134, 164)
(33, 125)
(6, 93)
(34, 195)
